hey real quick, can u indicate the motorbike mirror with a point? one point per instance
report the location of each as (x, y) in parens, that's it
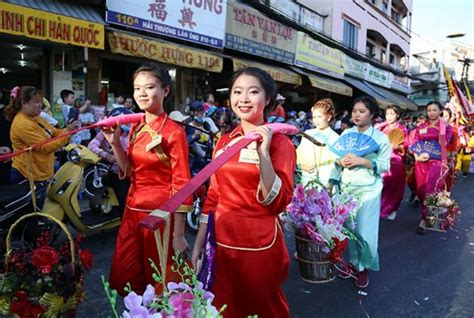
(74, 155)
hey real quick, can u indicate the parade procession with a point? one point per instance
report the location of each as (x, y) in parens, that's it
(236, 158)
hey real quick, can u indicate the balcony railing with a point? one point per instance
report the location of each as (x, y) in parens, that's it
(396, 22)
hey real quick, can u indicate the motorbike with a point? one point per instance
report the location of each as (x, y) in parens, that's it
(196, 165)
(79, 193)
(14, 199)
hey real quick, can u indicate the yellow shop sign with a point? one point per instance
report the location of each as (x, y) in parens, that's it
(42, 25)
(126, 44)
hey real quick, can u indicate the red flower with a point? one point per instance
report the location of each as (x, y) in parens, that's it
(335, 256)
(22, 307)
(44, 258)
(86, 258)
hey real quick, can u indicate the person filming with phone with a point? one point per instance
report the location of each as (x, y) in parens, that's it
(28, 129)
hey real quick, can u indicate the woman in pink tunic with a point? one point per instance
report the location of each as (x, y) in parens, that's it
(393, 180)
(428, 170)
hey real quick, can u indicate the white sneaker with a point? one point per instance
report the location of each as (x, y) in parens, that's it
(392, 216)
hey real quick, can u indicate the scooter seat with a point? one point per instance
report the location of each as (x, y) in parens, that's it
(13, 192)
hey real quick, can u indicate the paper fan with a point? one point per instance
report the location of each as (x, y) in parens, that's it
(355, 143)
(431, 147)
(396, 136)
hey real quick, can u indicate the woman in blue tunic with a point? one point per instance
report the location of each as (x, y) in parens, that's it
(362, 178)
(316, 162)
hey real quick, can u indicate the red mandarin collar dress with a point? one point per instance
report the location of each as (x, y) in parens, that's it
(155, 175)
(251, 261)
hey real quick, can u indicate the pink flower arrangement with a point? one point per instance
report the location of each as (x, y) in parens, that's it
(181, 300)
(317, 215)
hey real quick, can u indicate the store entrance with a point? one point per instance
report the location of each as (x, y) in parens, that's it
(20, 65)
(117, 77)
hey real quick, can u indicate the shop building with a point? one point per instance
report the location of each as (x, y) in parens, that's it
(50, 45)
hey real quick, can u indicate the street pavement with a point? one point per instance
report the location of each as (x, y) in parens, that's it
(421, 276)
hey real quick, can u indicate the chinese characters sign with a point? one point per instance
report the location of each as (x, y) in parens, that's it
(316, 56)
(126, 44)
(251, 32)
(41, 25)
(198, 21)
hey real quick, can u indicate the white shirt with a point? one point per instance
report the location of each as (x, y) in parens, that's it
(49, 119)
(65, 110)
(212, 126)
(86, 119)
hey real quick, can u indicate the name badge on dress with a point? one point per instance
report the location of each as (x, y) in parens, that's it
(423, 131)
(249, 156)
(155, 141)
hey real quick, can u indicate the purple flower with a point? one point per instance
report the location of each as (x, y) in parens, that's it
(137, 312)
(173, 286)
(133, 300)
(148, 295)
(319, 216)
(209, 296)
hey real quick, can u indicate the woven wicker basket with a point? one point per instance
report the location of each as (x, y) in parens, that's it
(313, 262)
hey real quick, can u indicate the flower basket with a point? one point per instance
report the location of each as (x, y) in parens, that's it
(319, 221)
(435, 218)
(313, 261)
(441, 211)
(44, 282)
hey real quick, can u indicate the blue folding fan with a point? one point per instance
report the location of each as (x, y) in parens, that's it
(355, 143)
(431, 147)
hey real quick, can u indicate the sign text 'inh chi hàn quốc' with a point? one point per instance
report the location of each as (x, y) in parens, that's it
(41, 25)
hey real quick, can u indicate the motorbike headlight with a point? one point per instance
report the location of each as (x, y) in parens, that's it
(74, 156)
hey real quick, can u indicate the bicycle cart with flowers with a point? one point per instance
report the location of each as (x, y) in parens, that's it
(41, 280)
(318, 221)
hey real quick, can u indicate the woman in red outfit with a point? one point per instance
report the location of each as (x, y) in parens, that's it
(246, 195)
(157, 163)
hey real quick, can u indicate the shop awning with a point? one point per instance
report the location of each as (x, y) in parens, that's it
(69, 9)
(330, 85)
(394, 98)
(361, 85)
(325, 83)
(278, 73)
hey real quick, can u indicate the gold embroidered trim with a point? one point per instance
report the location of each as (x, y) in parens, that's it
(239, 248)
(275, 190)
(184, 208)
(139, 210)
(157, 149)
